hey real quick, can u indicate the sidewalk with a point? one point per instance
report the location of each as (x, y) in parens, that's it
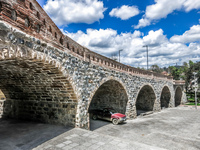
(80, 139)
(174, 128)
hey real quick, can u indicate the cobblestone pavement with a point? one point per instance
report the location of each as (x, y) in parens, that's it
(174, 129)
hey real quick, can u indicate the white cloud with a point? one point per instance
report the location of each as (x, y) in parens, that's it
(64, 12)
(162, 8)
(162, 51)
(143, 23)
(191, 4)
(191, 35)
(104, 41)
(125, 12)
(155, 38)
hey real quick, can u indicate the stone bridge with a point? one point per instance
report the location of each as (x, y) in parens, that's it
(46, 76)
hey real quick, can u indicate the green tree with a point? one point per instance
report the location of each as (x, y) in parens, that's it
(193, 67)
(156, 68)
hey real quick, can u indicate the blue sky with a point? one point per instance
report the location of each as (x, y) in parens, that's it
(171, 29)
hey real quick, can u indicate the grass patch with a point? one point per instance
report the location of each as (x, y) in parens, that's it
(190, 99)
(192, 104)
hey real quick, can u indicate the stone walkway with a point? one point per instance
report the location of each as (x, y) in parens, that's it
(78, 139)
(174, 129)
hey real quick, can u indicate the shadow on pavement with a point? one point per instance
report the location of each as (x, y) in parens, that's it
(95, 124)
(143, 112)
(25, 135)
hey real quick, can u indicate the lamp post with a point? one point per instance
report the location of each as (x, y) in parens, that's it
(147, 56)
(195, 89)
(119, 53)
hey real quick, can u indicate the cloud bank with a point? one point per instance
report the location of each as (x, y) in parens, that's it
(162, 51)
(64, 12)
(162, 8)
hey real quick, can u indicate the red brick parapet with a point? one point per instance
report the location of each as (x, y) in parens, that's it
(29, 17)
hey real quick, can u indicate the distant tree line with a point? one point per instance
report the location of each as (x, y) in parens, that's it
(184, 72)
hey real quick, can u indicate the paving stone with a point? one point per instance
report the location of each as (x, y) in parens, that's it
(68, 137)
(60, 145)
(74, 135)
(87, 144)
(122, 145)
(67, 147)
(73, 144)
(100, 143)
(48, 146)
(86, 134)
(114, 142)
(67, 142)
(94, 146)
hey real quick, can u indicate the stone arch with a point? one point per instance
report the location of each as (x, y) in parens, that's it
(2, 100)
(165, 97)
(37, 86)
(110, 93)
(178, 96)
(2, 95)
(146, 99)
(103, 81)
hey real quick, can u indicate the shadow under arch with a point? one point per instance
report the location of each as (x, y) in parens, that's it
(165, 97)
(37, 91)
(145, 100)
(178, 96)
(110, 94)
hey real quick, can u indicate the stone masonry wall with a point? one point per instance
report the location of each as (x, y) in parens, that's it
(48, 76)
(2, 100)
(1, 107)
(84, 75)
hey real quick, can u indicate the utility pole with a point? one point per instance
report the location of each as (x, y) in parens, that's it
(119, 53)
(147, 56)
(195, 89)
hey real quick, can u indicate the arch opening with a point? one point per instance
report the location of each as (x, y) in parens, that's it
(178, 96)
(165, 98)
(145, 100)
(14, 15)
(27, 22)
(111, 94)
(37, 91)
(0, 6)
